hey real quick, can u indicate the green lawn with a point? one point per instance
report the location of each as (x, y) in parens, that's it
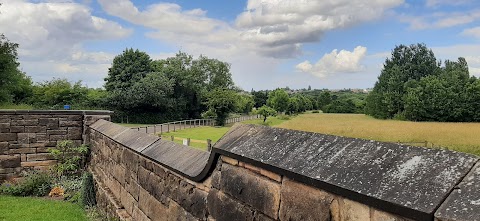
(271, 121)
(200, 135)
(38, 209)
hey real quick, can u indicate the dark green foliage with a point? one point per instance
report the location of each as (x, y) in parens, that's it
(127, 69)
(15, 86)
(414, 86)
(324, 99)
(34, 183)
(408, 63)
(170, 89)
(266, 111)
(70, 158)
(278, 100)
(245, 104)
(221, 102)
(58, 92)
(88, 190)
(260, 98)
(340, 106)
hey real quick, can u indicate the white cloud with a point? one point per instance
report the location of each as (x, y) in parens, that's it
(53, 32)
(473, 32)
(270, 28)
(435, 3)
(440, 19)
(335, 62)
(286, 23)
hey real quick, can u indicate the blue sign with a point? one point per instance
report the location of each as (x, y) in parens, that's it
(66, 107)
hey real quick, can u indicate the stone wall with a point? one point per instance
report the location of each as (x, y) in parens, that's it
(261, 173)
(26, 135)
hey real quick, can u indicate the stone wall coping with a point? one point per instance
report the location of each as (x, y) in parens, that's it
(409, 181)
(56, 112)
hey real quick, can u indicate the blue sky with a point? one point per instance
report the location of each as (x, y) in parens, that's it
(269, 43)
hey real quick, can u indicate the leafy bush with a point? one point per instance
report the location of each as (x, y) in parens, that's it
(35, 183)
(88, 190)
(70, 158)
(72, 186)
(315, 112)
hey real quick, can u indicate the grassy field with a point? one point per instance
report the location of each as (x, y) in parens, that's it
(38, 209)
(464, 137)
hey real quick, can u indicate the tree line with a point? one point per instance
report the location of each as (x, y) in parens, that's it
(414, 85)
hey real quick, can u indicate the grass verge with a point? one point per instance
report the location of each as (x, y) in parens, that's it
(39, 209)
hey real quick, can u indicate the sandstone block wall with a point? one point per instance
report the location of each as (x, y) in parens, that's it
(132, 187)
(161, 180)
(26, 135)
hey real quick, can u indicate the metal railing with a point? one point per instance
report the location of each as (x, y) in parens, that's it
(185, 124)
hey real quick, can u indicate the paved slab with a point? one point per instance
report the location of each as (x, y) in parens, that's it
(464, 202)
(397, 178)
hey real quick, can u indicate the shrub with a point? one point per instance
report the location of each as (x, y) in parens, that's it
(70, 158)
(315, 112)
(88, 190)
(35, 183)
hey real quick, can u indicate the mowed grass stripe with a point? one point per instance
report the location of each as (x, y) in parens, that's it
(464, 137)
(39, 209)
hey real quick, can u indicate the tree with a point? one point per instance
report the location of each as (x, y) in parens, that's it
(266, 111)
(278, 100)
(55, 93)
(245, 103)
(15, 86)
(127, 69)
(324, 99)
(408, 63)
(221, 102)
(293, 105)
(260, 98)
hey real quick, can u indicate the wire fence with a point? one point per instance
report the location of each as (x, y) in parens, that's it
(185, 124)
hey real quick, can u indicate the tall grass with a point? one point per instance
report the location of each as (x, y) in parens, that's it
(464, 137)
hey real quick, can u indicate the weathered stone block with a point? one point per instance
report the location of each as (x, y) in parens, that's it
(56, 132)
(74, 133)
(352, 211)
(229, 160)
(8, 137)
(301, 202)
(35, 129)
(42, 137)
(3, 147)
(22, 150)
(69, 123)
(9, 161)
(138, 215)
(128, 201)
(17, 129)
(39, 156)
(26, 138)
(4, 125)
(58, 137)
(32, 122)
(45, 163)
(377, 215)
(271, 175)
(222, 207)
(151, 207)
(258, 192)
